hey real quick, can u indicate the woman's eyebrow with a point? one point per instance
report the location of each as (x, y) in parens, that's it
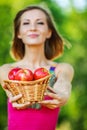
(26, 19)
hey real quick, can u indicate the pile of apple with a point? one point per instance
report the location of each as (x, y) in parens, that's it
(26, 74)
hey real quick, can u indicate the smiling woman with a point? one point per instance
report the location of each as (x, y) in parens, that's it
(33, 27)
(35, 43)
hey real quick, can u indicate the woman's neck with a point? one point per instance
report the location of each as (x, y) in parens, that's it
(34, 57)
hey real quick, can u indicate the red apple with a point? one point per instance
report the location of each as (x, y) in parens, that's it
(40, 73)
(24, 75)
(12, 73)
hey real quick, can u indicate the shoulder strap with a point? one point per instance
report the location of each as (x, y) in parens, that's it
(52, 69)
(53, 77)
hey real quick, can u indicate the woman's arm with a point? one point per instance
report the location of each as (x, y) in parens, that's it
(62, 87)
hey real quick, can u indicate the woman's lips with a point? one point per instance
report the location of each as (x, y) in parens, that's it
(33, 35)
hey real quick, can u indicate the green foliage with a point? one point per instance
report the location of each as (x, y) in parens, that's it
(72, 26)
(5, 33)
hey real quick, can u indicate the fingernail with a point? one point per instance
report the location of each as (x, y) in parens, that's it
(45, 93)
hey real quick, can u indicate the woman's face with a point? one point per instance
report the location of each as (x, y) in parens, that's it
(33, 27)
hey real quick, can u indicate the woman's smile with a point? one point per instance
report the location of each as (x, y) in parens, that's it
(33, 35)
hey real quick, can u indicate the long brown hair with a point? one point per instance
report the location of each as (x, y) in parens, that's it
(53, 46)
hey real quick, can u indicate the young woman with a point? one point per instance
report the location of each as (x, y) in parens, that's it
(36, 42)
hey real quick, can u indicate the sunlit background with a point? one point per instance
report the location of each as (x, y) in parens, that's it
(70, 17)
(80, 5)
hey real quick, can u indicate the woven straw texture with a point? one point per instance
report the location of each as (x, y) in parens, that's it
(32, 91)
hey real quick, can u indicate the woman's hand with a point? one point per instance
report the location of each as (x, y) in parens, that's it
(55, 101)
(13, 100)
(21, 106)
(59, 94)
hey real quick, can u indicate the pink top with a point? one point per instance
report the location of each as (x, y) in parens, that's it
(32, 119)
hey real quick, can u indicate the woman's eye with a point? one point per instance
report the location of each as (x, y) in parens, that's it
(25, 23)
(42, 23)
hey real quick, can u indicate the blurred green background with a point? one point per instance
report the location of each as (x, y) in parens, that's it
(70, 17)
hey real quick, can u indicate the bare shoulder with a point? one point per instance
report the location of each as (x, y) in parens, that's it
(65, 69)
(5, 66)
(4, 71)
(65, 66)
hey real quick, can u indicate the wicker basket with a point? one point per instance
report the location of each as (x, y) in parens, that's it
(32, 91)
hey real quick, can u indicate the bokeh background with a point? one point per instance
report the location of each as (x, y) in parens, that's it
(70, 17)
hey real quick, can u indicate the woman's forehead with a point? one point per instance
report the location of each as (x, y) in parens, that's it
(34, 13)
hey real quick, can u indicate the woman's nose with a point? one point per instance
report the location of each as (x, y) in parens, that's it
(33, 26)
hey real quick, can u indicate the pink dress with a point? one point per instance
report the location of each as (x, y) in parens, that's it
(32, 119)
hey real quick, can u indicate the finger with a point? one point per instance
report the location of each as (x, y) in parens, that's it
(52, 95)
(51, 106)
(51, 102)
(15, 98)
(9, 94)
(20, 106)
